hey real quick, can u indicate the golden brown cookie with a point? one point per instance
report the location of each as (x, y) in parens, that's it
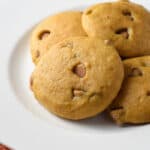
(55, 29)
(124, 24)
(132, 105)
(76, 79)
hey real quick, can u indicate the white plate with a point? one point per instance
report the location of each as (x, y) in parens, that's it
(24, 124)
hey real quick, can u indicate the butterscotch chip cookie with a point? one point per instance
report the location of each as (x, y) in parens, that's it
(76, 79)
(54, 29)
(132, 105)
(124, 24)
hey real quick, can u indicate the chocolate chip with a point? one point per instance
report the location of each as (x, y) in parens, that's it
(135, 72)
(123, 31)
(114, 108)
(44, 34)
(79, 70)
(148, 93)
(128, 14)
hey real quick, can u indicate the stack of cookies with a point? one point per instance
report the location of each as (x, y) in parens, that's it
(96, 60)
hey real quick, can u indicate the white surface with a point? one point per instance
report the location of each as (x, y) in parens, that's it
(24, 124)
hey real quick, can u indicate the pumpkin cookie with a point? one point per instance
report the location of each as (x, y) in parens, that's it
(126, 25)
(132, 105)
(76, 79)
(54, 29)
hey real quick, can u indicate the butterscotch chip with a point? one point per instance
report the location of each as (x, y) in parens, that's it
(44, 35)
(126, 24)
(80, 70)
(75, 82)
(53, 30)
(135, 72)
(132, 105)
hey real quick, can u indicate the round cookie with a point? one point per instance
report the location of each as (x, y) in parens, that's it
(55, 29)
(132, 104)
(124, 24)
(76, 79)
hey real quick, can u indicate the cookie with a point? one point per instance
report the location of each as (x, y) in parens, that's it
(132, 104)
(55, 29)
(124, 24)
(76, 79)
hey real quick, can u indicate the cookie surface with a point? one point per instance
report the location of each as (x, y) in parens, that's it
(76, 79)
(132, 105)
(126, 25)
(55, 29)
